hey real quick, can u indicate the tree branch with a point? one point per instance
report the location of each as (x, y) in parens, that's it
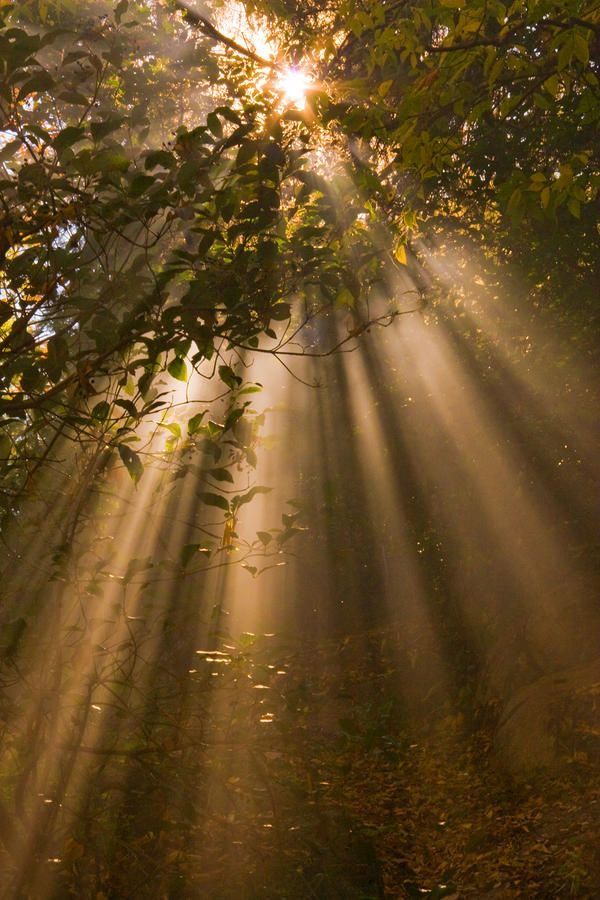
(210, 31)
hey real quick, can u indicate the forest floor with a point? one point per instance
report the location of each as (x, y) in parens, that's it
(368, 803)
(311, 780)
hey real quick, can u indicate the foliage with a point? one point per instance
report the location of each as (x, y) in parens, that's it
(161, 210)
(145, 230)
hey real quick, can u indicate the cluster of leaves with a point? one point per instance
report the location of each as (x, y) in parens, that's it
(470, 116)
(156, 216)
(158, 211)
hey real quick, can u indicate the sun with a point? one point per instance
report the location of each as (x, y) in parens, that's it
(293, 84)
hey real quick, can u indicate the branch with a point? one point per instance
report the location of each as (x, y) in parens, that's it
(210, 31)
(383, 321)
(513, 33)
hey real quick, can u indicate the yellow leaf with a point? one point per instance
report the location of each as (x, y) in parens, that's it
(384, 88)
(400, 254)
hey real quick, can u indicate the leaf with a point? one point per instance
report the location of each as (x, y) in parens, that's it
(101, 411)
(545, 197)
(131, 461)
(214, 124)
(188, 551)
(195, 423)
(400, 254)
(264, 537)
(67, 137)
(106, 126)
(5, 447)
(514, 208)
(160, 158)
(178, 369)
(128, 406)
(280, 311)
(173, 427)
(136, 565)
(221, 474)
(288, 533)
(227, 375)
(344, 298)
(10, 149)
(552, 85)
(120, 10)
(234, 416)
(140, 184)
(109, 161)
(246, 152)
(214, 500)
(41, 82)
(74, 97)
(240, 499)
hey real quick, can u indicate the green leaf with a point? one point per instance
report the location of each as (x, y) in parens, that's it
(234, 416)
(132, 462)
(101, 411)
(188, 551)
(140, 184)
(214, 500)
(240, 499)
(120, 10)
(552, 85)
(160, 158)
(109, 161)
(41, 82)
(227, 375)
(280, 312)
(221, 474)
(173, 427)
(74, 97)
(67, 137)
(5, 447)
(178, 369)
(214, 124)
(106, 126)
(545, 197)
(195, 423)
(128, 406)
(264, 537)
(246, 152)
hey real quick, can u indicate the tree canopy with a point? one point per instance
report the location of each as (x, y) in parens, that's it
(163, 204)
